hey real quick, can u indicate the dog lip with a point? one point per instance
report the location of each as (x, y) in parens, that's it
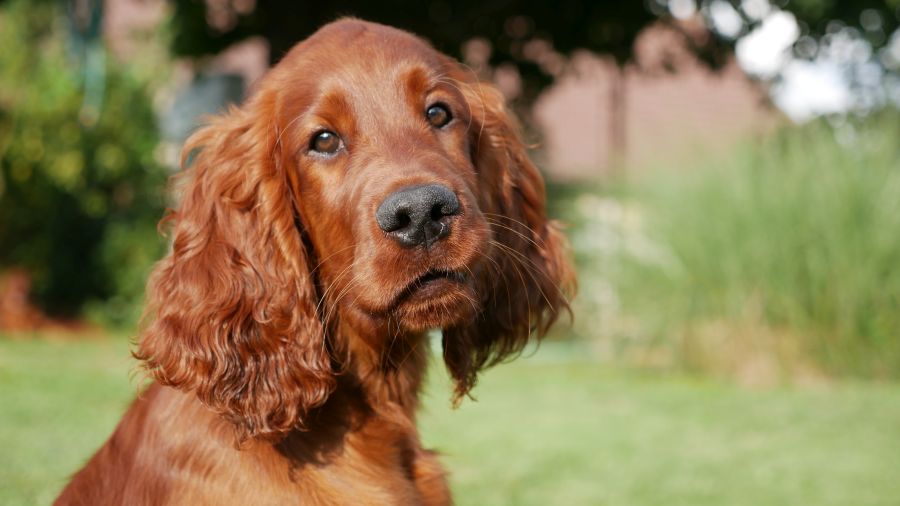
(436, 274)
(421, 284)
(431, 284)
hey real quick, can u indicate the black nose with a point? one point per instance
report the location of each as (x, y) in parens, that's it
(418, 215)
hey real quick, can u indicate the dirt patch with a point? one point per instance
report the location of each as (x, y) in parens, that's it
(19, 314)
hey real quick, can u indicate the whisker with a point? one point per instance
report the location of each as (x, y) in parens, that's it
(505, 250)
(330, 311)
(326, 318)
(509, 218)
(286, 127)
(480, 94)
(502, 274)
(350, 285)
(456, 85)
(530, 266)
(408, 354)
(386, 353)
(531, 271)
(314, 269)
(520, 234)
(471, 299)
(331, 286)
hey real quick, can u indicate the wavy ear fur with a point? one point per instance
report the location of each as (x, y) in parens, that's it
(528, 279)
(232, 307)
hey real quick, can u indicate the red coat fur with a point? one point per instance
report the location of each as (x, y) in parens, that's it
(286, 332)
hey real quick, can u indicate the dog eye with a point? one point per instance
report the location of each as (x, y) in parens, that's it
(438, 115)
(325, 142)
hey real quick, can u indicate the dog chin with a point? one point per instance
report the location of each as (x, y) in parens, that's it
(442, 306)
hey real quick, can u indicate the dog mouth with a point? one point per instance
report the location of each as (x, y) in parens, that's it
(433, 283)
(433, 299)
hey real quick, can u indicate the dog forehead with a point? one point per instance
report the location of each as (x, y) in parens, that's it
(354, 43)
(349, 29)
(357, 65)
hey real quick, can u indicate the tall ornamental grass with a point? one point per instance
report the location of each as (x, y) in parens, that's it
(790, 244)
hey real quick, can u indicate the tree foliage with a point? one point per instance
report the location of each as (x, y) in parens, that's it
(817, 14)
(79, 187)
(602, 26)
(608, 27)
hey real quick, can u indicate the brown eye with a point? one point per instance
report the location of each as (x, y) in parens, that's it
(325, 142)
(438, 115)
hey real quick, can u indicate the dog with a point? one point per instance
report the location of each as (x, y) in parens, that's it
(369, 190)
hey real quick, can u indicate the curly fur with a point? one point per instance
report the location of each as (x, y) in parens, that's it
(284, 333)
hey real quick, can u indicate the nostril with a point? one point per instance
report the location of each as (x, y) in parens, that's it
(445, 204)
(393, 215)
(437, 212)
(403, 220)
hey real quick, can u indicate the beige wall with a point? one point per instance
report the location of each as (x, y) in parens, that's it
(667, 115)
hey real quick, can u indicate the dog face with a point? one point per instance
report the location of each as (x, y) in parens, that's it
(379, 154)
(370, 181)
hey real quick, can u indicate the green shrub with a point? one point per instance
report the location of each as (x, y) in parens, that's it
(80, 189)
(791, 244)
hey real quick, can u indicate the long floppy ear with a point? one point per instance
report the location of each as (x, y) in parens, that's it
(529, 278)
(231, 309)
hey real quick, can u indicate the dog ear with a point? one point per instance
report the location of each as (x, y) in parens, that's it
(232, 313)
(527, 282)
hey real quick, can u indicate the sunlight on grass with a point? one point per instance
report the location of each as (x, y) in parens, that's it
(575, 434)
(60, 399)
(544, 431)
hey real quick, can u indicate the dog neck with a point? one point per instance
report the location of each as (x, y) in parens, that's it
(376, 395)
(388, 363)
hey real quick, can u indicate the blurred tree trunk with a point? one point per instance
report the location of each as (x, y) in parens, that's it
(618, 126)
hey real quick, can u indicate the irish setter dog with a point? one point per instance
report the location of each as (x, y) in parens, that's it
(369, 190)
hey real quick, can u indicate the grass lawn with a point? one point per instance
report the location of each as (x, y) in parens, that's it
(547, 430)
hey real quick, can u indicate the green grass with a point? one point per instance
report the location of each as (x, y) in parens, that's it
(550, 429)
(59, 400)
(790, 243)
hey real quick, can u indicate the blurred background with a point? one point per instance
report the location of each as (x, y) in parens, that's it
(729, 171)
